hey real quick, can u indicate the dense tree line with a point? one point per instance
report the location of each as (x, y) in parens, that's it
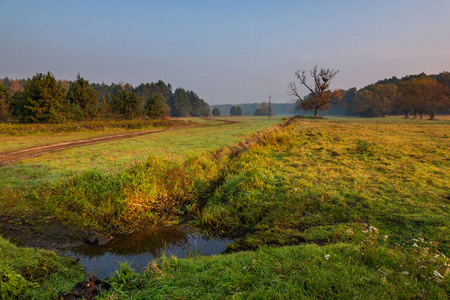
(44, 99)
(415, 94)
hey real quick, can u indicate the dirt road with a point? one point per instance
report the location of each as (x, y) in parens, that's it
(7, 158)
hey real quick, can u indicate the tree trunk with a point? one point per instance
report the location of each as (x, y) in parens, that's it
(421, 115)
(406, 114)
(431, 116)
(316, 113)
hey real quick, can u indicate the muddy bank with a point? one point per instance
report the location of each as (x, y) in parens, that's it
(39, 231)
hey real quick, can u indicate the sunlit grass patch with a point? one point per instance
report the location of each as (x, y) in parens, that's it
(393, 174)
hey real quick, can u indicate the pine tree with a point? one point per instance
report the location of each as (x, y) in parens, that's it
(82, 96)
(155, 107)
(43, 100)
(125, 104)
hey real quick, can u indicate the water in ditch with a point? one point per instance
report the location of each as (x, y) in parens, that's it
(140, 248)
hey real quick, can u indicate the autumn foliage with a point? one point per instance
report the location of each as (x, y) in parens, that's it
(423, 95)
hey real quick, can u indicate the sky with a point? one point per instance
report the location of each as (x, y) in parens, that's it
(230, 51)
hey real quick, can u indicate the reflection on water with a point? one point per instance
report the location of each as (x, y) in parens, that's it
(140, 248)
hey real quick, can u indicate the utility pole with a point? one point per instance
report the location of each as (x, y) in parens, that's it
(269, 105)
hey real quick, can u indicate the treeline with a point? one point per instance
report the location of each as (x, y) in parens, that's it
(413, 94)
(418, 95)
(44, 99)
(259, 109)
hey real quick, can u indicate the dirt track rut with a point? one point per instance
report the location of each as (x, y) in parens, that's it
(7, 158)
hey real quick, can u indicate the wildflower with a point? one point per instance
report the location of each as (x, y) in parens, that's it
(405, 272)
(385, 237)
(327, 256)
(437, 274)
(415, 245)
(245, 267)
(422, 267)
(372, 228)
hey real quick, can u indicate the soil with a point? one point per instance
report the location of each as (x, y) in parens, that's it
(35, 230)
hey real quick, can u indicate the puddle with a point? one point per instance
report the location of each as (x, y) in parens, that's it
(142, 247)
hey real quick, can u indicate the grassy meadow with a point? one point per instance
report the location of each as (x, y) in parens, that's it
(19, 181)
(325, 208)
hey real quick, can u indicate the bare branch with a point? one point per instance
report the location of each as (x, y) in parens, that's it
(321, 96)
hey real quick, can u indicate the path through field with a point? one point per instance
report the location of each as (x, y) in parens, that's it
(7, 158)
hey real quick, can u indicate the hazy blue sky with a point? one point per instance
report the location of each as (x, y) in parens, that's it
(233, 51)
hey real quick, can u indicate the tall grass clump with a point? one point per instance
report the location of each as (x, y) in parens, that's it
(147, 193)
(10, 129)
(27, 273)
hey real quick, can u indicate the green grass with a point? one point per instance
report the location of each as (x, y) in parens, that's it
(28, 273)
(22, 136)
(319, 180)
(338, 271)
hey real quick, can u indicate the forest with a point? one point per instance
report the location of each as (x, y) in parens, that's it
(44, 99)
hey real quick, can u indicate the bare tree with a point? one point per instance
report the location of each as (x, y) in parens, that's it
(320, 96)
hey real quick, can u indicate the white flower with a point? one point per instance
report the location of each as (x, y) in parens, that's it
(372, 228)
(422, 267)
(327, 256)
(405, 272)
(437, 274)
